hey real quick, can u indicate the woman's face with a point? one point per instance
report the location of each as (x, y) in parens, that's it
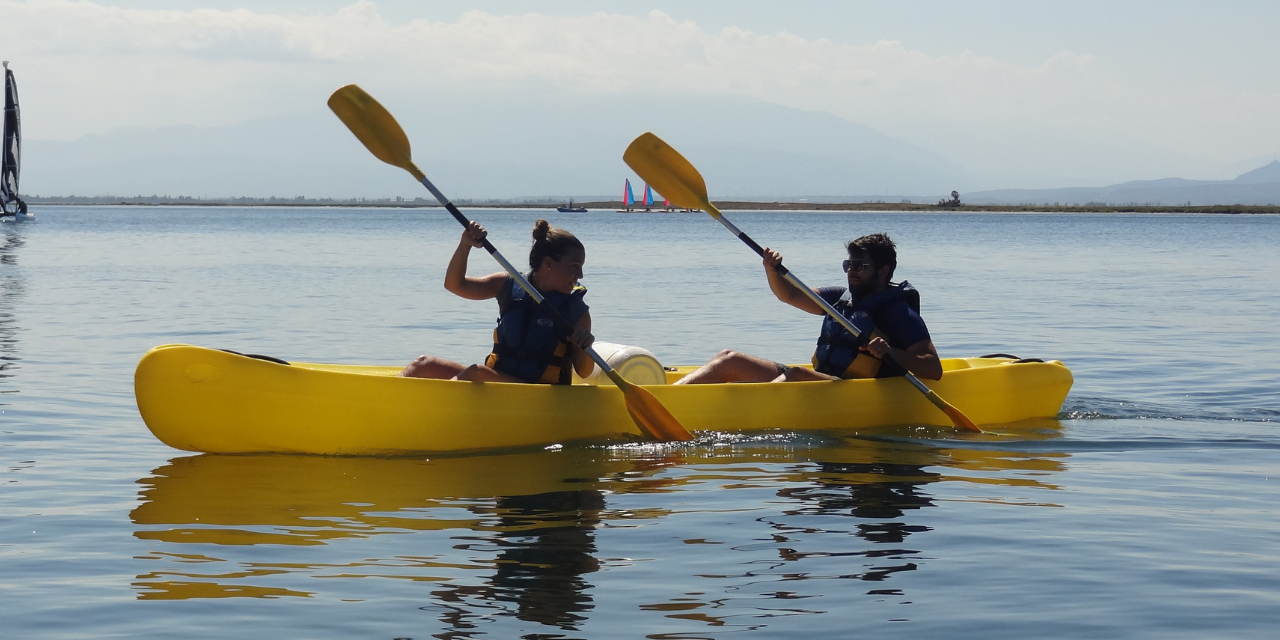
(560, 275)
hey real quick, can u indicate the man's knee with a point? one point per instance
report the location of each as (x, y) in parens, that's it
(728, 354)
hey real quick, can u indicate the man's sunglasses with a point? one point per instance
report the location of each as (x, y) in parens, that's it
(854, 265)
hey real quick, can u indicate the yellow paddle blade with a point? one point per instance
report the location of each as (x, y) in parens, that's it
(958, 418)
(652, 418)
(374, 126)
(961, 421)
(676, 178)
(668, 172)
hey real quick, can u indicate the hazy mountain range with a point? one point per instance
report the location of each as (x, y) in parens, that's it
(499, 146)
(1257, 187)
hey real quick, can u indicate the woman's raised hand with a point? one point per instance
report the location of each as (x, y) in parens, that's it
(474, 234)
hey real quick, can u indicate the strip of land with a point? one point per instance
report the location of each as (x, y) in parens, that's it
(616, 205)
(894, 206)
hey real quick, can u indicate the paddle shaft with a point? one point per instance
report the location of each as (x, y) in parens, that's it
(515, 273)
(831, 311)
(379, 132)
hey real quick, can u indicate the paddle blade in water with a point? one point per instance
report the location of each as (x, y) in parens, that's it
(652, 418)
(667, 171)
(374, 126)
(959, 419)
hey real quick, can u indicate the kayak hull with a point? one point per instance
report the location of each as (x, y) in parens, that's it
(207, 400)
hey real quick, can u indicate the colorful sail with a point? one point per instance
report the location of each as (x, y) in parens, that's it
(11, 154)
(628, 198)
(648, 195)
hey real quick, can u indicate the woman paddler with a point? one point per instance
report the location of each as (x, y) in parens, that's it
(528, 346)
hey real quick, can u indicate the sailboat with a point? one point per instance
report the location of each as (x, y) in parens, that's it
(628, 198)
(12, 208)
(648, 197)
(571, 209)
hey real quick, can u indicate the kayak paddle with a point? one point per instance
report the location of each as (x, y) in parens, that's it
(677, 179)
(374, 126)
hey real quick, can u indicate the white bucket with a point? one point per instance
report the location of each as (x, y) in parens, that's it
(637, 365)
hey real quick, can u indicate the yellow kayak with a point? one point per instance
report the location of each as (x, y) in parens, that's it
(201, 399)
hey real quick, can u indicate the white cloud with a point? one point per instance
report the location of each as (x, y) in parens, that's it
(86, 68)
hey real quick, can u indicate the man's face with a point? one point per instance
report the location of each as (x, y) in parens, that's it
(865, 278)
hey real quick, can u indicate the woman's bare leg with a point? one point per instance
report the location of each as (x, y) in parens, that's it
(432, 367)
(481, 373)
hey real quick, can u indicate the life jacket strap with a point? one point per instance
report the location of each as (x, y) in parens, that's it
(559, 368)
(844, 339)
(557, 357)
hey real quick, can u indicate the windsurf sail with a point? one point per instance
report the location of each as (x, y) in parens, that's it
(648, 195)
(628, 198)
(11, 154)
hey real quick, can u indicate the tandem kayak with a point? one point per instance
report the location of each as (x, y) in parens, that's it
(207, 400)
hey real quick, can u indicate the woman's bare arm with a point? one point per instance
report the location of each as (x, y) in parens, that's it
(580, 340)
(455, 276)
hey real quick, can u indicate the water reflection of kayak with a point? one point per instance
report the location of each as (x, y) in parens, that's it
(201, 399)
(311, 500)
(529, 521)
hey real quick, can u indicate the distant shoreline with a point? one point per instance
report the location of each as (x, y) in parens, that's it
(617, 205)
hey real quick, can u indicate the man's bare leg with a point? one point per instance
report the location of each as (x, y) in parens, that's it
(801, 374)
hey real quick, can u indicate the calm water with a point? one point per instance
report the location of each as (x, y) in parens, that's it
(1149, 509)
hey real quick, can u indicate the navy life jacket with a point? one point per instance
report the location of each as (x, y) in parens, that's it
(837, 353)
(527, 343)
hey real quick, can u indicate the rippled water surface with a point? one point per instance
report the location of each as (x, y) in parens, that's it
(1148, 509)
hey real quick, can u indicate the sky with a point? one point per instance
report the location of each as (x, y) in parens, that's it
(1088, 91)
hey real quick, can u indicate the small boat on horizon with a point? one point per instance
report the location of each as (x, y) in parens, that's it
(571, 209)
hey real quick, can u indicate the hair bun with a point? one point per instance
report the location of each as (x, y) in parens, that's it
(540, 229)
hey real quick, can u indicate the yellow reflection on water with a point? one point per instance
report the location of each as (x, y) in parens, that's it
(523, 525)
(180, 590)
